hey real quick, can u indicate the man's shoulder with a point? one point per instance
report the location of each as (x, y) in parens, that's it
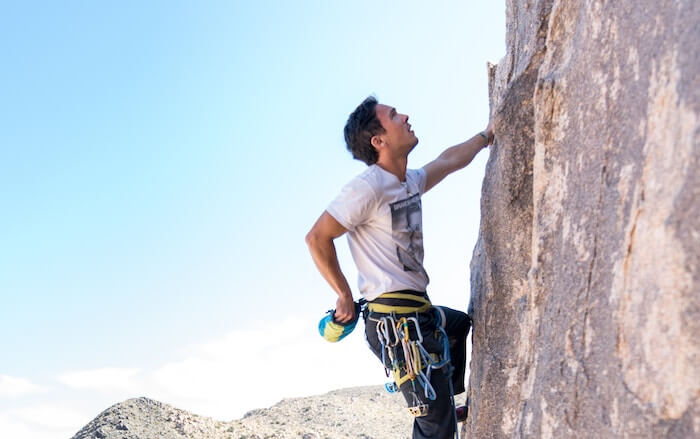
(379, 181)
(417, 177)
(364, 184)
(351, 206)
(415, 173)
(373, 175)
(370, 178)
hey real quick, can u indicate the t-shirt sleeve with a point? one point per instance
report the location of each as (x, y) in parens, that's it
(353, 204)
(421, 178)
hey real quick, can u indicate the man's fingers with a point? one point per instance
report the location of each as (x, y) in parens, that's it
(342, 318)
(489, 132)
(344, 312)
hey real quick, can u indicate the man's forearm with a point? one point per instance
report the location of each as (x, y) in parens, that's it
(462, 154)
(320, 242)
(454, 158)
(326, 260)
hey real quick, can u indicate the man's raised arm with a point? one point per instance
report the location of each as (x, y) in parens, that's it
(320, 242)
(456, 157)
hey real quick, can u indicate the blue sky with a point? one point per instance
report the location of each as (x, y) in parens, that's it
(160, 164)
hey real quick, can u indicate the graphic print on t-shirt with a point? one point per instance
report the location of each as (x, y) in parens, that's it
(407, 230)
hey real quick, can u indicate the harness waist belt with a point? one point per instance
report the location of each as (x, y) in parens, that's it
(400, 302)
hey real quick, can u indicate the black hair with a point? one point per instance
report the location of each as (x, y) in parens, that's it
(361, 126)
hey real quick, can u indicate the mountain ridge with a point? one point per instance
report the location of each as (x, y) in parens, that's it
(358, 412)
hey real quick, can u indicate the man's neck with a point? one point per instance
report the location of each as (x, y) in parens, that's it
(396, 166)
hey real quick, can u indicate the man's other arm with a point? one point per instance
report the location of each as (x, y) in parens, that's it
(320, 241)
(455, 158)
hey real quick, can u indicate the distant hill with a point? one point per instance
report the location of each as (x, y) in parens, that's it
(358, 413)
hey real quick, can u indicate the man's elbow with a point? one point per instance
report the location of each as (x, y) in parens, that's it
(324, 232)
(312, 238)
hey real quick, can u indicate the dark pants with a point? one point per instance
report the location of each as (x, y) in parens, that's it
(439, 423)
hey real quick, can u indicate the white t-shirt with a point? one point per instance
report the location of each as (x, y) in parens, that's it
(385, 229)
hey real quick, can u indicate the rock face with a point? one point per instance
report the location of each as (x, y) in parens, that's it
(585, 279)
(358, 413)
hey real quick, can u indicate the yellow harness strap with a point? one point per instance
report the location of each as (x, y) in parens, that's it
(422, 304)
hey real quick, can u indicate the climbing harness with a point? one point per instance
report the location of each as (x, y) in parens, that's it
(402, 344)
(396, 315)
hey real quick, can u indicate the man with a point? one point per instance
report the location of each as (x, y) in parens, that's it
(380, 209)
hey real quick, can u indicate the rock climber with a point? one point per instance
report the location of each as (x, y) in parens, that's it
(380, 210)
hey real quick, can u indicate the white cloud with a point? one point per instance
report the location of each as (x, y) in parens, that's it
(16, 386)
(44, 421)
(53, 416)
(255, 368)
(104, 380)
(13, 428)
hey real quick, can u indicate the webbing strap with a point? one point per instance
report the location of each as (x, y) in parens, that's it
(399, 303)
(400, 379)
(411, 374)
(388, 309)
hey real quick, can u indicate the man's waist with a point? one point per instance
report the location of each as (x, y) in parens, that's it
(400, 302)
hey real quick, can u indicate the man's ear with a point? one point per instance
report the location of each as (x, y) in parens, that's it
(377, 142)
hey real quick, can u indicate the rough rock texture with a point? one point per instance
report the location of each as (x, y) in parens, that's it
(585, 278)
(358, 413)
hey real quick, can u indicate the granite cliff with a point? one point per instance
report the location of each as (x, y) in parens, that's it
(585, 281)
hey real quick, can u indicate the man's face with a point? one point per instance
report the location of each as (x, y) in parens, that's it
(398, 134)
